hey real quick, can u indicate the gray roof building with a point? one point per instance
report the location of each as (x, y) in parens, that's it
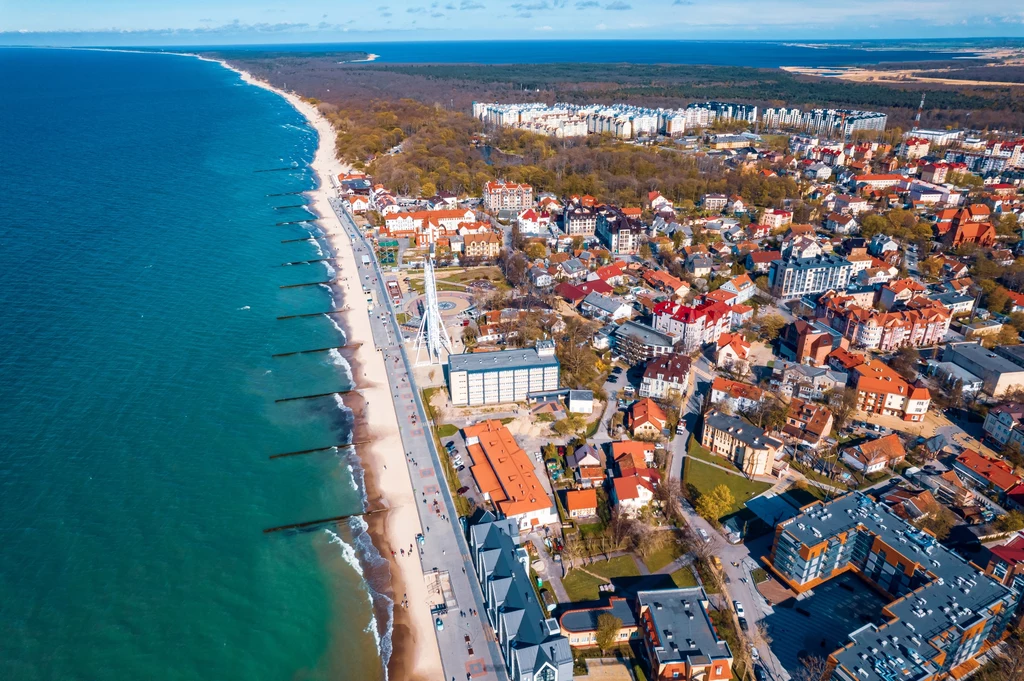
(682, 631)
(639, 342)
(944, 611)
(997, 372)
(533, 645)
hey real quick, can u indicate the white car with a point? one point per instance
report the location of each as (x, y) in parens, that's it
(753, 652)
(738, 607)
(703, 534)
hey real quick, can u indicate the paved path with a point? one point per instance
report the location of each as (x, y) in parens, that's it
(445, 548)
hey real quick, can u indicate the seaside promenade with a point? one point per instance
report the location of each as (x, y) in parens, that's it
(467, 643)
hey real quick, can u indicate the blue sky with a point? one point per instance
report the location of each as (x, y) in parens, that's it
(179, 22)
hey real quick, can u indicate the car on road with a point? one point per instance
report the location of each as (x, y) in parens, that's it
(460, 469)
(754, 653)
(703, 534)
(738, 607)
(462, 490)
(760, 674)
(439, 624)
(743, 624)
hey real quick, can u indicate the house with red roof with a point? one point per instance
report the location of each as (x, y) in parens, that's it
(645, 418)
(1006, 564)
(693, 326)
(632, 494)
(581, 503)
(986, 473)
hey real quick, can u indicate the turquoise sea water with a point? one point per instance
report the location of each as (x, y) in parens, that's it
(139, 290)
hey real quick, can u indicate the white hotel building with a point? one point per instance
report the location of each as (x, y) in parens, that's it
(503, 377)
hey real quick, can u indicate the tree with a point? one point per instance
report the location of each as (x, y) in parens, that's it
(771, 326)
(931, 267)
(996, 300)
(535, 250)
(905, 362)
(608, 628)
(714, 504)
(843, 404)
(1011, 522)
(812, 668)
(469, 336)
(939, 521)
(645, 252)
(1007, 225)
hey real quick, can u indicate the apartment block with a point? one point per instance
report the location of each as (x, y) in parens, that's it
(507, 196)
(680, 640)
(743, 443)
(797, 277)
(880, 390)
(943, 614)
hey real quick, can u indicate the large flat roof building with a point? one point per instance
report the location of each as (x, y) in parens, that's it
(945, 611)
(999, 374)
(679, 638)
(477, 378)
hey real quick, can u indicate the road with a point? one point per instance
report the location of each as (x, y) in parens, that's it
(445, 548)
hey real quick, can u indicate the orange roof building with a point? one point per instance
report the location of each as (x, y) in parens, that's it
(985, 472)
(581, 503)
(630, 454)
(646, 418)
(880, 390)
(506, 476)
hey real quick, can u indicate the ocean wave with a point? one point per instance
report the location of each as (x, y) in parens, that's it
(344, 336)
(337, 359)
(319, 251)
(330, 269)
(245, 308)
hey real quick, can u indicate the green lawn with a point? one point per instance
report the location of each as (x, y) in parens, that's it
(621, 566)
(683, 577)
(759, 575)
(590, 529)
(402, 317)
(580, 586)
(427, 394)
(447, 430)
(663, 556)
(705, 478)
(694, 449)
(584, 587)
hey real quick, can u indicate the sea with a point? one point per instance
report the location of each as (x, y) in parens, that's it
(141, 266)
(759, 54)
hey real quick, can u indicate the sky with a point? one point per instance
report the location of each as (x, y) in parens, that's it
(220, 22)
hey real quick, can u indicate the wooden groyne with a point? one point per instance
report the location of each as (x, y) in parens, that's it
(301, 452)
(310, 314)
(307, 262)
(311, 397)
(307, 352)
(312, 283)
(288, 193)
(322, 521)
(294, 205)
(277, 170)
(295, 222)
(305, 238)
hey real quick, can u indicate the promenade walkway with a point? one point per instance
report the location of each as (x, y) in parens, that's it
(467, 643)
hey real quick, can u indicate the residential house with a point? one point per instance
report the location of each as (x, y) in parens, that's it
(646, 419)
(540, 277)
(732, 353)
(850, 205)
(742, 286)
(1005, 423)
(805, 381)
(881, 246)
(838, 223)
(581, 503)
(665, 282)
(532, 222)
(741, 442)
(736, 395)
(605, 308)
(632, 494)
(580, 625)
(810, 342)
(880, 390)
(1006, 563)
(986, 474)
(699, 265)
(875, 455)
(762, 261)
(899, 292)
(774, 218)
(666, 375)
(714, 202)
(807, 423)
(657, 202)
(631, 456)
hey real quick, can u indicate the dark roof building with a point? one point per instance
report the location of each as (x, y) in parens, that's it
(679, 639)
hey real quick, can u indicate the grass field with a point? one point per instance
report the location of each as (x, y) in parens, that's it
(447, 430)
(663, 556)
(705, 478)
(683, 577)
(584, 587)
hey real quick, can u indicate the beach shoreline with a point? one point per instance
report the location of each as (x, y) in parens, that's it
(414, 650)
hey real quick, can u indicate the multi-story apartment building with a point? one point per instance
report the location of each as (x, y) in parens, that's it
(842, 121)
(880, 390)
(746, 445)
(500, 377)
(888, 331)
(532, 643)
(1007, 564)
(693, 326)
(1005, 423)
(944, 610)
(619, 232)
(680, 640)
(775, 218)
(486, 245)
(507, 196)
(778, 118)
(578, 219)
(665, 375)
(796, 277)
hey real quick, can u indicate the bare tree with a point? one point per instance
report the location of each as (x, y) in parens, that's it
(812, 668)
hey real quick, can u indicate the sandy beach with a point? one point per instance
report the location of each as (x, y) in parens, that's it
(415, 652)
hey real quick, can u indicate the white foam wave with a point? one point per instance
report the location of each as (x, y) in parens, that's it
(330, 270)
(352, 478)
(245, 308)
(348, 552)
(319, 251)
(338, 327)
(337, 359)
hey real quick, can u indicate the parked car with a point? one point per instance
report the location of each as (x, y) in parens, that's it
(463, 490)
(439, 624)
(743, 624)
(753, 652)
(703, 534)
(760, 674)
(738, 607)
